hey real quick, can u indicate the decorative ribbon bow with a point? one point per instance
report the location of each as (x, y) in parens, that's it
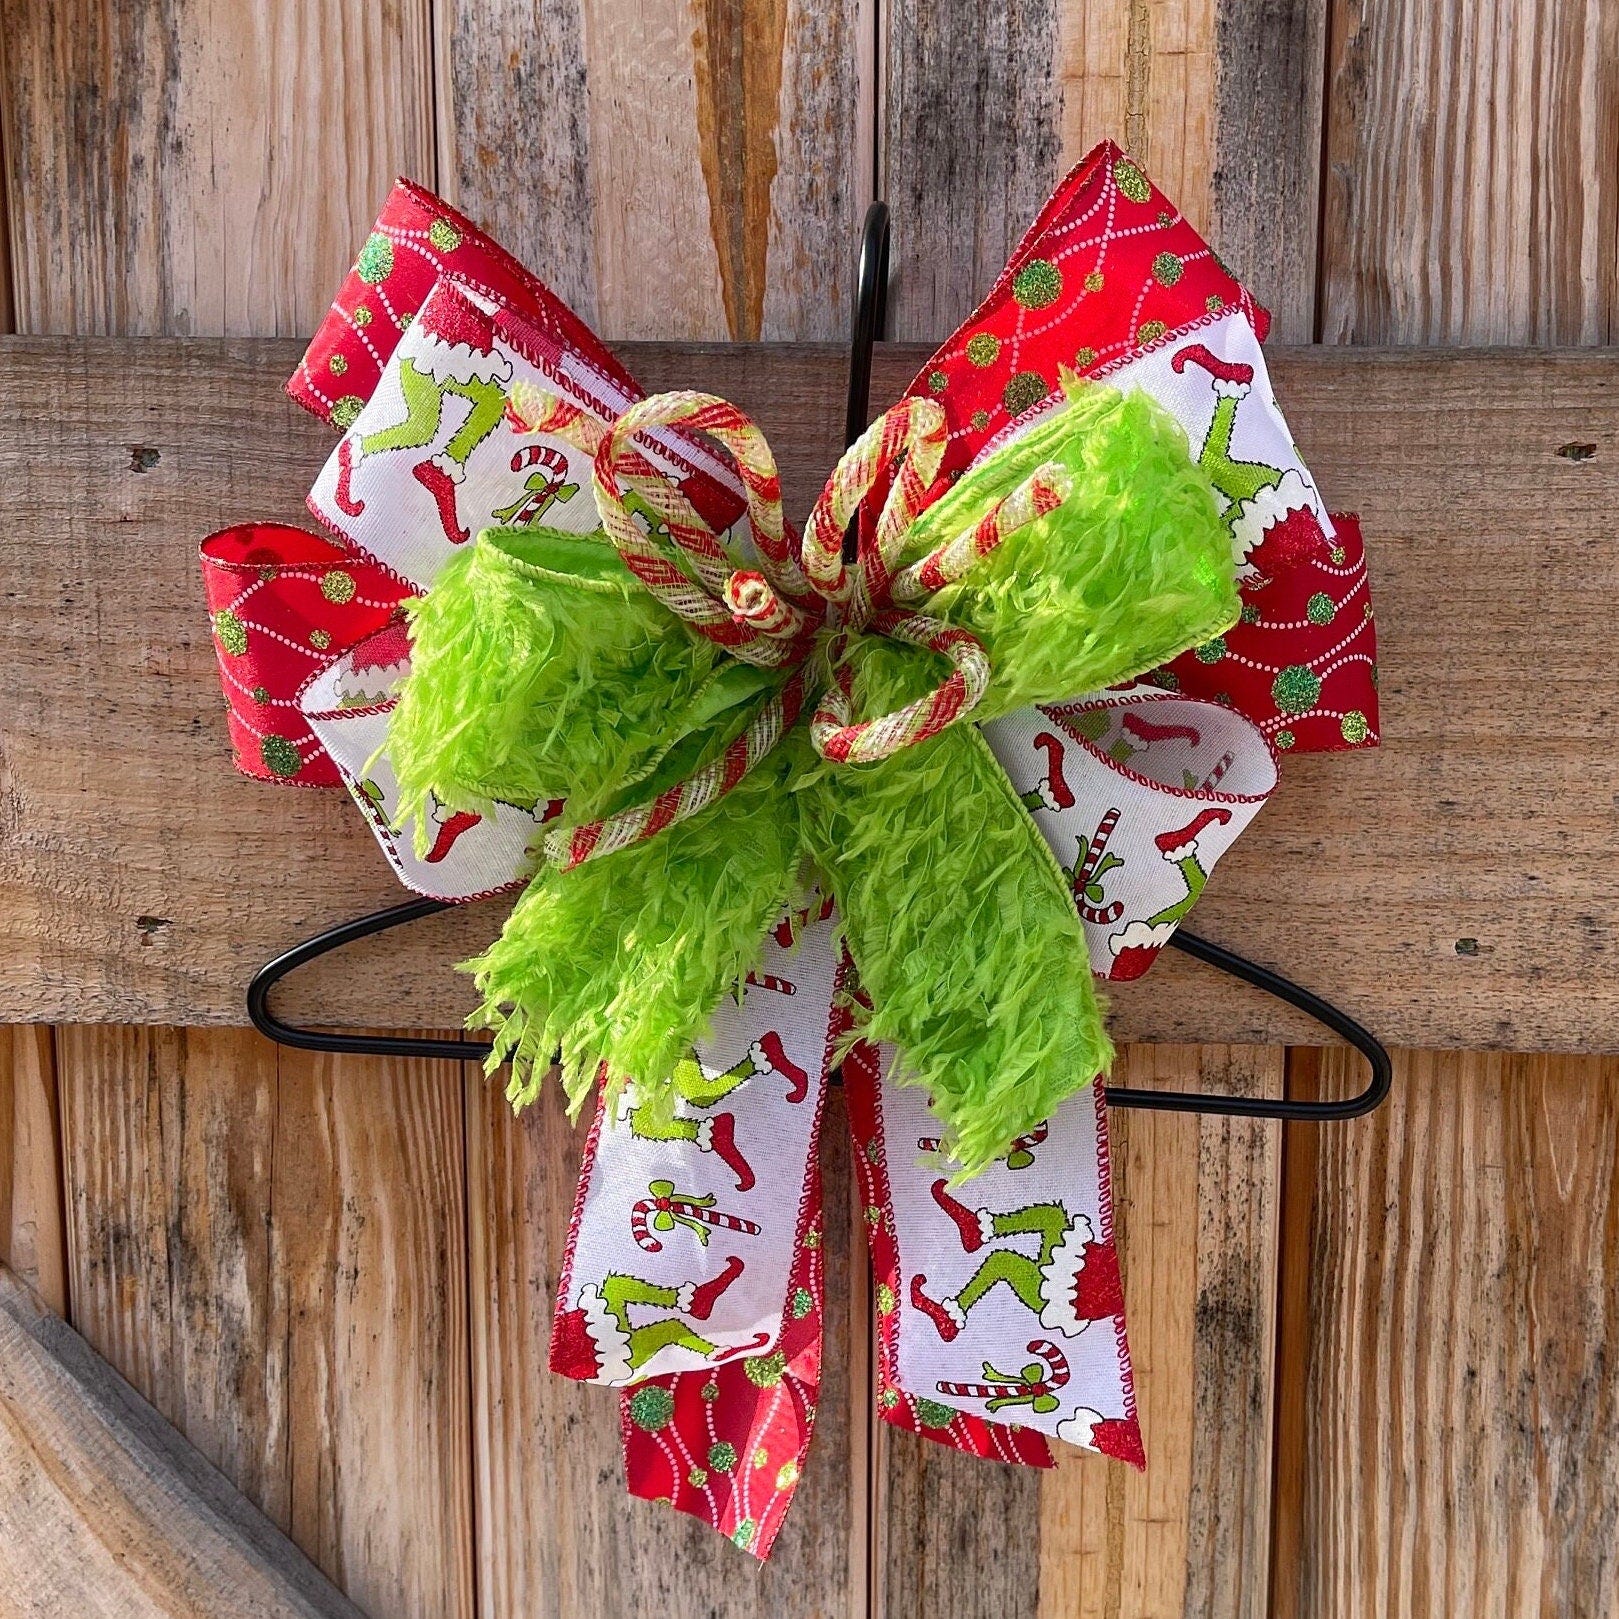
(666, 675)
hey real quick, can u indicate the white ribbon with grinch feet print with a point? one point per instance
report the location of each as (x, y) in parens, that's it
(1139, 792)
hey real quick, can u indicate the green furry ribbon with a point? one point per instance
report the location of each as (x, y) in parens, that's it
(542, 670)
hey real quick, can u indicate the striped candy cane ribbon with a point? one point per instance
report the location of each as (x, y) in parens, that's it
(801, 607)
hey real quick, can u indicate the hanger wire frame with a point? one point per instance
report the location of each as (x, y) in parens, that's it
(870, 316)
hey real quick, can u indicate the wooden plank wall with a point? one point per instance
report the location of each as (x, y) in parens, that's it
(333, 1274)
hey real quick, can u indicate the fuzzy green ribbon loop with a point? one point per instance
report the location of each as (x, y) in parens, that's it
(543, 669)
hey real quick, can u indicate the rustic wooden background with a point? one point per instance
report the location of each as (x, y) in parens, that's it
(1377, 1361)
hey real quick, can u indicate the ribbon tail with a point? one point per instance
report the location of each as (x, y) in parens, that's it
(1047, 1356)
(716, 1344)
(896, 1405)
(733, 1446)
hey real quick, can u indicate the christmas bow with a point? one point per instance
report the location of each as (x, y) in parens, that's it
(666, 721)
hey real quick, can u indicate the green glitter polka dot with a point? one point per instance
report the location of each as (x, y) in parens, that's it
(765, 1371)
(1085, 359)
(934, 1415)
(742, 1535)
(362, 315)
(1037, 284)
(320, 639)
(697, 1477)
(1354, 728)
(1131, 181)
(1295, 689)
(1214, 303)
(1094, 281)
(1026, 388)
(802, 1303)
(885, 1299)
(980, 420)
(1338, 554)
(888, 1399)
(761, 1457)
(722, 1456)
(1164, 216)
(873, 1151)
(444, 236)
(337, 365)
(280, 756)
(1320, 609)
(260, 694)
(267, 572)
(337, 586)
(1284, 740)
(873, 1214)
(983, 349)
(406, 319)
(1210, 651)
(1250, 613)
(710, 1391)
(652, 1407)
(232, 632)
(937, 382)
(346, 409)
(1167, 679)
(812, 1238)
(376, 259)
(787, 1475)
(1166, 269)
(1150, 331)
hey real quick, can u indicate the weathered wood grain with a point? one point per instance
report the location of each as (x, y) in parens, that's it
(985, 107)
(109, 1512)
(558, 1535)
(1470, 189)
(1264, 205)
(32, 1239)
(1444, 886)
(272, 1252)
(678, 171)
(1197, 1210)
(1461, 1443)
(202, 166)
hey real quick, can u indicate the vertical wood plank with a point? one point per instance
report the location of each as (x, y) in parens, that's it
(1462, 1418)
(557, 1534)
(985, 107)
(369, 1216)
(32, 1238)
(274, 1257)
(202, 167)
(1471, 192)
(684, 169)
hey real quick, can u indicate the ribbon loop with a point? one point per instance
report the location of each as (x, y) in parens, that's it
(865, 741)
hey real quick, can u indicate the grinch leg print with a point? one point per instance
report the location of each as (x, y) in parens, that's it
(717, 1133)
(1052, 791)
(1068, 1282)
(448, 826)
(453, 356)
(1263, 503)
(597, 1342)
(1034, 1386)
(663, 1209)
(1136, 947)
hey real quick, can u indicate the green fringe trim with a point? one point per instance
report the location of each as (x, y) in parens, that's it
(1133, 568)
(622, 960)
(963, 931)
(540, 669)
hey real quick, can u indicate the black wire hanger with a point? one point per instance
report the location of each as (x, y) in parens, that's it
(870, 317)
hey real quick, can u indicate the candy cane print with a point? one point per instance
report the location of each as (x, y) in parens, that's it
(666, 1208)
(1103, 915)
